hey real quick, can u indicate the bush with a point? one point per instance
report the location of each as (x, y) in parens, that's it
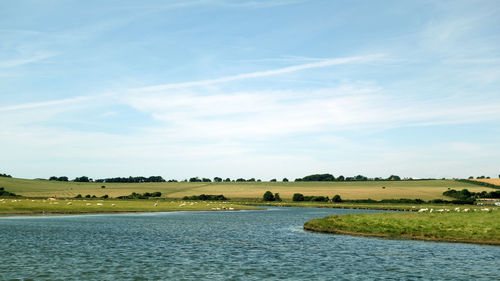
(277, 197)
(336, 198)
(268, 196)
(5, 193)
(79, 196)
(205, 197)
(145, 195)
(298, 197)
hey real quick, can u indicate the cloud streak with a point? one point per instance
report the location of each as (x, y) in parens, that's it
(260, 74)
(35, 105)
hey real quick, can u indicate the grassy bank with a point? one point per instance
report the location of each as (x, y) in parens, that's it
(370, 206)
(471, 227)
(377, 190)
(43, 206)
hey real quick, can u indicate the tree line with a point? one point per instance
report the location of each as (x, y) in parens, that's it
(330, 177)
(117, 179)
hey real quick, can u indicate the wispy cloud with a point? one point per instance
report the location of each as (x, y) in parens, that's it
(25, 60)
(35, 105)
(259, 74)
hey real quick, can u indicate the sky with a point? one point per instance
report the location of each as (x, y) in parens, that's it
(263, 89)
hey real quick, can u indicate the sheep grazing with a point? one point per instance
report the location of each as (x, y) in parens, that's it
(99, 204)
(112, 205)
(423, 210)
(432, 210)
(466, 210)
(69, 203)
(485, 209)
(156, 204)
(88, 204)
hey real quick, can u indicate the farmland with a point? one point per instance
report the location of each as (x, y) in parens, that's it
(425, 189)
(491, 181)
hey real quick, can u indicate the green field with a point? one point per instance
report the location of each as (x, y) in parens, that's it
(471, 227)
(70, 206)
(425, 190)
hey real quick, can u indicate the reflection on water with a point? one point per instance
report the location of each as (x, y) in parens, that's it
(252, 245)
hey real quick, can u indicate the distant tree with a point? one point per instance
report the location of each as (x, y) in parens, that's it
(241, 180)
(217, 179)
(205, 180)
(87, 196)
(105, 196)
(268, 196)
(471, 177)
(319, 177)
(394, 178)
(227, 180)
(82, 179)
(336, 198)
(361, 178)
(195, 179)
(78, 196)
(251, 179)
(277, 197)
(53, 178)
(298, 197)
(285, 180)
(340, 178)
(62, 179)
(5, 175)
(273, 180)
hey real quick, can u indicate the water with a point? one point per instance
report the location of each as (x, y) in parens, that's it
(249, 245)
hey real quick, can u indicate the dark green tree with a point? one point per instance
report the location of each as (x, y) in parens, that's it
(298, 197)
(268, 196)
(336, 198)
(277, 197)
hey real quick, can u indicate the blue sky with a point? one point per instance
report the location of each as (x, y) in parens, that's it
(264, 89)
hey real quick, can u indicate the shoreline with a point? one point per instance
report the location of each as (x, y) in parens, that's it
(2, 214)
(402, 237)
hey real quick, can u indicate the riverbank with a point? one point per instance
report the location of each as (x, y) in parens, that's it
(479, 227)
(17, 206)
(406, 207)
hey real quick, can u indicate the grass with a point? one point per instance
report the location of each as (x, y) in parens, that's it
(471, 227)
(70, 206)
(425, 190)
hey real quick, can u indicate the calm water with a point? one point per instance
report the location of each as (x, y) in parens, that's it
(251, 245)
